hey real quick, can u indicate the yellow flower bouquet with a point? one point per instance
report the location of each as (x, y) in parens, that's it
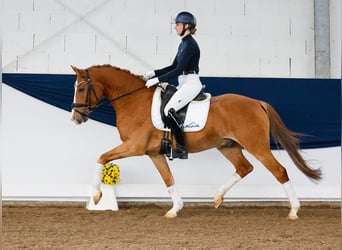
(110, 174)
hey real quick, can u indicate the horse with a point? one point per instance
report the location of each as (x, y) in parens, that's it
(234, 123)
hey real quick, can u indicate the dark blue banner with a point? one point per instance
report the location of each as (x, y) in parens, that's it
(309, 106)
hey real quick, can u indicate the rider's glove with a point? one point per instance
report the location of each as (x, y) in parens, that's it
(152, 82)
(149, 75)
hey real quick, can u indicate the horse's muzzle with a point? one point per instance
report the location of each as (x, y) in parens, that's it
(79, 117)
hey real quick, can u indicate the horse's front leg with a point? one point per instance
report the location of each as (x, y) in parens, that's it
(165, 172)
(122, 151)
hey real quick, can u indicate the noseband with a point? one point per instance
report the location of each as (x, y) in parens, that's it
(98, 101)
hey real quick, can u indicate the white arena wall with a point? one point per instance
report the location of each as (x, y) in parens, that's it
(45, 156)
(247, 38)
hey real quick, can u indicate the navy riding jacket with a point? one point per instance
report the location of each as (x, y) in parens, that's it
(186, 60)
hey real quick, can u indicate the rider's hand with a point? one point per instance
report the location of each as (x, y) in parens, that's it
(152, 82)
(149, 75)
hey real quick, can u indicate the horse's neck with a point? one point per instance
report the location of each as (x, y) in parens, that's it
(128, 93)
(124, 85)
(133, 107)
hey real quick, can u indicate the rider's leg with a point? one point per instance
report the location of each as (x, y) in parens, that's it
(188, 89)
(178, 132)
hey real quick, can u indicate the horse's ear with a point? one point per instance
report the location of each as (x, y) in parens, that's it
(75, 69)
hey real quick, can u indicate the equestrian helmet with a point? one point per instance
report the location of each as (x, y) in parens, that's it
(186, 17)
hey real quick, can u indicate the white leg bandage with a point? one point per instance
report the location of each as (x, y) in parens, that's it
(291, 195)
(97, 176)
(176, 199)
(235, 178)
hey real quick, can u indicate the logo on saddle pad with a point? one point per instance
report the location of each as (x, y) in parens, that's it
(196, 116)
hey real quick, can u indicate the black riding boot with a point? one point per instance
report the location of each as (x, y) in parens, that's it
(177, 130)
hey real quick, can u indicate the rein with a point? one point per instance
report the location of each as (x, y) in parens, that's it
(99, 102)
(126, 94)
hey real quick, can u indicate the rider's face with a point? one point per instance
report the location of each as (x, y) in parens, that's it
(179, 28)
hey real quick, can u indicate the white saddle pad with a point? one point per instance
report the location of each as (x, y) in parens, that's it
(196, 116)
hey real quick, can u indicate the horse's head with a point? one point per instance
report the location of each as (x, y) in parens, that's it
(99, 82)
(86, 97)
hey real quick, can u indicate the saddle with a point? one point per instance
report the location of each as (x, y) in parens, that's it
(167, 92)
(196, 111)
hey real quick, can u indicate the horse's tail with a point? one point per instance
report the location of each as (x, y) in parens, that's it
(289, 141)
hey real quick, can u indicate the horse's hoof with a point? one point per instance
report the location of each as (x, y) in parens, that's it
(218, 200)
(97, 197)
(293, 214)
(292, 217)
(170, 215)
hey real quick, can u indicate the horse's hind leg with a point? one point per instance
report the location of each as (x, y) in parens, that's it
(242, 167)
(280, 173)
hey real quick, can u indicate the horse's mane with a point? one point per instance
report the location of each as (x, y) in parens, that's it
(116, 68)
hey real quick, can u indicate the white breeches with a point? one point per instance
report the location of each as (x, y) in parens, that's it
(188, 88)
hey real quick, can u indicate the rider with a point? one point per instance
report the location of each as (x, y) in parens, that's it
(185, 66)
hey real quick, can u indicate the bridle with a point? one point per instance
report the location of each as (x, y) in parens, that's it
(99, 102)
(87, 103)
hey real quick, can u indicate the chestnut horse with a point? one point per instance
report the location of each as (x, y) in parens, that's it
(234, 123)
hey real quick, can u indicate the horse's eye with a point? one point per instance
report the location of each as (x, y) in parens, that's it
(80, 90)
